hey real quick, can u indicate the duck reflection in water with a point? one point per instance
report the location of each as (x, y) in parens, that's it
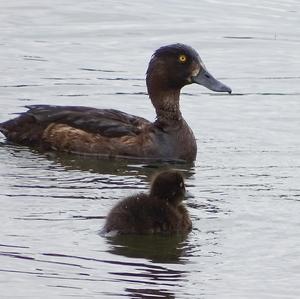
(120, 167)
(160, 211)
(150, 293)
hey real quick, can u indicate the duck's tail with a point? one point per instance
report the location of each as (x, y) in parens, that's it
(5, 127)
(23, 129)
(3, 130)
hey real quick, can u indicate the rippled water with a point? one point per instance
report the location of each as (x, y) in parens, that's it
(244, 187)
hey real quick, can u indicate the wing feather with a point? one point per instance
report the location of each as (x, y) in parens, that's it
(106, 122)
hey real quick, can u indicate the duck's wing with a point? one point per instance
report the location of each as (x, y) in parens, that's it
(106, 122)
(30, 125)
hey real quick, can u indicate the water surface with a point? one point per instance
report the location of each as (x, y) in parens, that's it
(244, 192)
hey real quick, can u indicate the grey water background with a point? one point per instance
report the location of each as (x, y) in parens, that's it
(244, 193)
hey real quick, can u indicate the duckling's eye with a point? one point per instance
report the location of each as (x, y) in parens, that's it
(182, 58)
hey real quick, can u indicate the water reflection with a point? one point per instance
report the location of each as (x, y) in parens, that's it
(149, 293)
(115, 166)
(152, 281)
(157, 248)
(119, 167)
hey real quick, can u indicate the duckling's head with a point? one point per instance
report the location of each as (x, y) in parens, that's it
(174, 66)
(168, 186)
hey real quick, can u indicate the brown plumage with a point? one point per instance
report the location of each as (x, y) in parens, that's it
(112, 133)
(160, 211)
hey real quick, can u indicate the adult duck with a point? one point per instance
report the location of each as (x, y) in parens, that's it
(112, 133)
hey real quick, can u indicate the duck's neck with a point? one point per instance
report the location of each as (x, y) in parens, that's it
(166, 103)
(164, 93)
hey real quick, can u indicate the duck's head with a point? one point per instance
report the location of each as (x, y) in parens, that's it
(174, 66)
(168, 186)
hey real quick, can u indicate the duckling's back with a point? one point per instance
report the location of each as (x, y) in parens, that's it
(141, 214)
(129, 216)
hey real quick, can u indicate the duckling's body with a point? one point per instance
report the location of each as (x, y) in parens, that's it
(112, 133)
(160, 211)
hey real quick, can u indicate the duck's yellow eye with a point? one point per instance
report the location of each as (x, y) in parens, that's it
(182, 58)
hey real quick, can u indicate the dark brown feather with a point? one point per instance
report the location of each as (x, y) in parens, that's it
(23, 129)
(106, 122)
(77, 129)
(160, 211)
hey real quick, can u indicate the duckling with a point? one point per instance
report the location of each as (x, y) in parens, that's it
(112, 133)
(159, 211)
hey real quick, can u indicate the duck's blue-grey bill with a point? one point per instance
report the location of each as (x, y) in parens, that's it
(206, 79)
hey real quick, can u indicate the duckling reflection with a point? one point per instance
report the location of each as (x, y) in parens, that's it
(160, 211)
(157, 248)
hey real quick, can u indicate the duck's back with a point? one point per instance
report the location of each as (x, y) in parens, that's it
(73, 128)
(106, 122)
